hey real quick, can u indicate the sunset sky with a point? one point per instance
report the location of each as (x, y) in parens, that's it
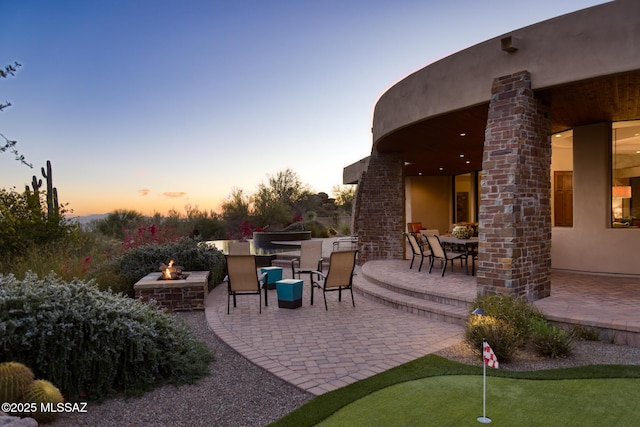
(155, 104)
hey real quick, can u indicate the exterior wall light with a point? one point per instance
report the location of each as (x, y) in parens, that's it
(508, 44)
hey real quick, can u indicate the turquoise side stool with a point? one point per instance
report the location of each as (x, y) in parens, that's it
(289, 293)
(273, 275)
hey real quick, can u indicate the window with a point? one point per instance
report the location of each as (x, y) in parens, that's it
(625, 174)
(462, 201)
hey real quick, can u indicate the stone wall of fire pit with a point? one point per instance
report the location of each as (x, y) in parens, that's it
(174, 295)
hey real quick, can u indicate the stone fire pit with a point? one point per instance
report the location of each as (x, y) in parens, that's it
(184, 294)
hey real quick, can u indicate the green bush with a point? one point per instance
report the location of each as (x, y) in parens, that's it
(517, 312)
(506, 324)
(24, 222)
(318, 229)
(75, 256)
(93, 344)
(122, 272)
(585, 333)
(549, 340)
(344, 229)
(501, 336)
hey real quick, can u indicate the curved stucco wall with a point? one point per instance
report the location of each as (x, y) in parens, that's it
(598, 41)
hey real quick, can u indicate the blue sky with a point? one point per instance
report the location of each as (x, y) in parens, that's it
(154, 104)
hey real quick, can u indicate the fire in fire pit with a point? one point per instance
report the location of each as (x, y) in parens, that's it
(171, 272)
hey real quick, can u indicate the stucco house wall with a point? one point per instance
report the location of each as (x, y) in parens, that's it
(560, 50)
(600, 41)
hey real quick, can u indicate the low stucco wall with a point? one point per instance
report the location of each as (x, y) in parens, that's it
(596, 251)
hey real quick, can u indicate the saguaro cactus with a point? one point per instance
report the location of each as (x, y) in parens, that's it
(53, 210)
(34, 198)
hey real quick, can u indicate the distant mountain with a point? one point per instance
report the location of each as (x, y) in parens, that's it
(86, 219)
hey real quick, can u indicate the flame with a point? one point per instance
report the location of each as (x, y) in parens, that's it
(166, 272)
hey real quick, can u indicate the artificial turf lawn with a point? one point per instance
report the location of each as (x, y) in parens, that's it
(457, 401)
(325, 405)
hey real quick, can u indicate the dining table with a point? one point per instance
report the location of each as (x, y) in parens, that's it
(470, 249)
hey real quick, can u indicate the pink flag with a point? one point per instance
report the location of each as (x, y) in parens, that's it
(490, 358)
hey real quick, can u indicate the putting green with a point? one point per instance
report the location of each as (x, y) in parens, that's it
(456, 400)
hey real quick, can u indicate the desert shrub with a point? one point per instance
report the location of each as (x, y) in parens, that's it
(549, 340)
(75, 256)
(586, 333)
(501, 336)
(116, 222)
(317, 228)
(25, 222)
(344, 229)
(122, 272)
(91, 343)
(517, 312)
(506, 324)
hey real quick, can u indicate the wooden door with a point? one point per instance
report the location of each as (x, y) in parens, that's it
(563, 198)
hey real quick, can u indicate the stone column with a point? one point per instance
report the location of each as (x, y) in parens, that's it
(379, 209)
(515, 211)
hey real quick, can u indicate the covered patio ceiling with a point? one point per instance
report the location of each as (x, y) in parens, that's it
(452, 144)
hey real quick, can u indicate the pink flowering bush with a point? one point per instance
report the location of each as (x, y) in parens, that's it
(244, 231)
(139, 236)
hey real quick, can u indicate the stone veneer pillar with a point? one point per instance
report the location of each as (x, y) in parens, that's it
(378, 217)
(515, 211)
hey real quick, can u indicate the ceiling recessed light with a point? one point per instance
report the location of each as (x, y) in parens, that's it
(463, 134)
(441, 168)
(461, 156)
(468, 161)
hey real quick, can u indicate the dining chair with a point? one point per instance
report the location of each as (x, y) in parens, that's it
(414, 227)
(310, 259)
(242, 278)
(418, 250)
(423, 234)
(438, 252)
(339, 277)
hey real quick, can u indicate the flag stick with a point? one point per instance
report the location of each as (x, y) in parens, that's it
(483, 419)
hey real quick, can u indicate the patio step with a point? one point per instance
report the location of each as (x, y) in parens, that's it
(391, 285)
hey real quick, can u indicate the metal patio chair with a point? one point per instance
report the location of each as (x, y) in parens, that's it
(242, 279)
(339, 277)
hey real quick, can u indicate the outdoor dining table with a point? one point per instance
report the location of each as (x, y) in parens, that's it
(470, 248)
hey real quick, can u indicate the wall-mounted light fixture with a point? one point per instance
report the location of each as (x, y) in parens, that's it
(508, 44)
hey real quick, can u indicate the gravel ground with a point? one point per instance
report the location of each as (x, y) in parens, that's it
(583, 353)
(239, 393)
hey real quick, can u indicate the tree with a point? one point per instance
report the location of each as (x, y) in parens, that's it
(235, 208)
(10, 145)
(280, 199)
(236, 214)
(344, 196)
(118, 221)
